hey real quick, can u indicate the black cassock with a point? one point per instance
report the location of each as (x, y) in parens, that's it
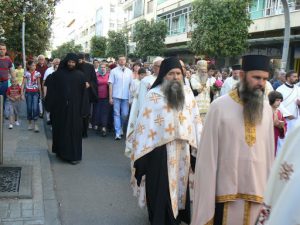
(90, 94)
(64, 101)
(154, 167)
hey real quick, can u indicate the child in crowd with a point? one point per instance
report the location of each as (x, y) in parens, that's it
(32, 85)
(280, 125)
(19, 73)
(13, 102)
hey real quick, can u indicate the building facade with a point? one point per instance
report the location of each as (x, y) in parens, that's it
(96, 19)
(267, 31)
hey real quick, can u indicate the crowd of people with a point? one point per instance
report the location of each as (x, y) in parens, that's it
(201, 141)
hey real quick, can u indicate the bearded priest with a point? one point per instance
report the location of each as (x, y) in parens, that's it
(166, 139)
(236, 151)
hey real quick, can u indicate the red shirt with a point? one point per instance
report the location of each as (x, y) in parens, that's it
(102, 85)
(41, 70)
(13, 91)
(5, 65)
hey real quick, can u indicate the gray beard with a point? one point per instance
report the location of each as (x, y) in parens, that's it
(203, 77)
(253, 102)
(174, 93)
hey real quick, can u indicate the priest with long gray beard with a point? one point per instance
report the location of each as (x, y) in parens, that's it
(166, 139)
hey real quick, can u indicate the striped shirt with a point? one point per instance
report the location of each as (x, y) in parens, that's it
(5, 66)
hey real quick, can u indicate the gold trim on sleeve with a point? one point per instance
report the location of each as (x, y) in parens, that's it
(250, 129)
(225, 213)
(247, 210)
(210, 222)
(233, 197)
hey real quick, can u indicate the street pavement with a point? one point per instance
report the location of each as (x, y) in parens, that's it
(26, 148)
(97, 191)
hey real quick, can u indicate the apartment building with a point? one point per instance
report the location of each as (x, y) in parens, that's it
(267, 30)
(174, 12)
(96, 19)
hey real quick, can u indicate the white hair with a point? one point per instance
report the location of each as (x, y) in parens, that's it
(41, 57)
(157, 59)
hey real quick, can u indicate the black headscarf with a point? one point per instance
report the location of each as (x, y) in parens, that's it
(167, 65)
(64, 63)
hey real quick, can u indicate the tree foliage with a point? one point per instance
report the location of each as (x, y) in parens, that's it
(39, 16)
(98, 46)
(116, 43)
(221, 27)
(149, 37)
(65, 48)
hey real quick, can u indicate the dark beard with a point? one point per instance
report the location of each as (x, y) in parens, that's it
(174, 93)
(253, 100)
(70, 68)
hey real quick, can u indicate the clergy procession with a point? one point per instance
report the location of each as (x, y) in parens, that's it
(201, 147)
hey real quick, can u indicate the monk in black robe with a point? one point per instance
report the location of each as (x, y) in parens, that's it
(91, 91)
(64, 101)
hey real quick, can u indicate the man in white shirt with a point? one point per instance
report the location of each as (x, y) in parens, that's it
(291, 100)
(119, 83)
(51, 69)
(231, 82)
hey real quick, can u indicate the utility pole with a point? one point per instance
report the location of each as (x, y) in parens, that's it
(23, 35)
(287, 33)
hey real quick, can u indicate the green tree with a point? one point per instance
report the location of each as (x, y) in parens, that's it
(65, 48)
(98, 46)
(39, 16)
(221, 27)
(150, 37)
(116, 44)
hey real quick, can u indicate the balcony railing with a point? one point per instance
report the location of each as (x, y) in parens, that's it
(274, 9)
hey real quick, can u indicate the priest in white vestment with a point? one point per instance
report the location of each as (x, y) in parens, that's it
(291, 102)
(281, 202)
(236, 151)
(291, 99)
(201, 87)
(133, 98)
(166, 139)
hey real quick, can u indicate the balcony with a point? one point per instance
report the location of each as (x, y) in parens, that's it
(268, 8)
(275, 22)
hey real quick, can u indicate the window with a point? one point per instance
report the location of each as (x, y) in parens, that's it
(150, 6)
(111, 25)
(177, 21)
(160, 1)
(138, 8)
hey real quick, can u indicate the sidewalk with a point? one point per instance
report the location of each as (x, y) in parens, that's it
(26, 148)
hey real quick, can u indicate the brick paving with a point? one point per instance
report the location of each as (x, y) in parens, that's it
(26, 148)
